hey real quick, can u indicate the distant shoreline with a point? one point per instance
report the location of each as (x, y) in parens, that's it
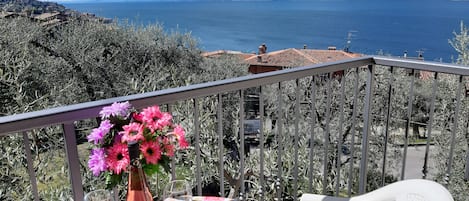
(388, 28)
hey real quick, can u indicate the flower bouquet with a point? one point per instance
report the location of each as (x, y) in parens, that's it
(157, 136)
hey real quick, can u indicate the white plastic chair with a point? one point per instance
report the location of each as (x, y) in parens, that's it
(406, 190)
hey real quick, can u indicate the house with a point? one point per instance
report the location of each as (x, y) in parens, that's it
(240, 55)
(277, 60)
(292, 57)
(44, 17)
(51, 19)
(287, 58)
(8, 14)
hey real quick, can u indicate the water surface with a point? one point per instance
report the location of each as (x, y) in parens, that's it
(377, 26)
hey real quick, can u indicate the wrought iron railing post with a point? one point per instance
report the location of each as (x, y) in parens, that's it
(312, 134)
(430, 126)
(352, 133)
(407, 126)
(220, 143)
(296, 139)
(366, 130)
(197, 146)
(327, 133)
(261, 144)
(278, 182)
(29, 160)
(73, 160)
(466, 173)
(454, 130)
(242, 194)
(388, 120)
(173, 161)
(339, 135)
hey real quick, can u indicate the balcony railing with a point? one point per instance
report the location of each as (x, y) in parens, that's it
(311, 111)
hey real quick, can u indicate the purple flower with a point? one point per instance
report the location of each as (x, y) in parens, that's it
(96, 136)
(116, 109)
(97, 162)
(117, 138)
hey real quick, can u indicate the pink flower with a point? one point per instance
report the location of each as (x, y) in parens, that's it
(116, 109)
(137, 117)
(151, 114)
(151, 128)
(118, 158)
(159, 124)
(132, 132)
(96, 136)
(151, 151)
(180, 134)
(168, 147)
(97, 161)
(164, 121)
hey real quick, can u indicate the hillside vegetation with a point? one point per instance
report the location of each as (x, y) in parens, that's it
(78, 62)
(38, 7)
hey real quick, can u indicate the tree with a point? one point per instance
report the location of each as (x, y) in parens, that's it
(83, 61)
(457, 182)
(460, 43)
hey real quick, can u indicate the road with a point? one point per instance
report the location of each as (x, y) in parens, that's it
(414, 163)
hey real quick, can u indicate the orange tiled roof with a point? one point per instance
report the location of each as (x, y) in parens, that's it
(227, 52)
(299, 57)
(45, 16)
(6, 14)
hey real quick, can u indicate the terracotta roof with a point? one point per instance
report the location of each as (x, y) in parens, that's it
(227, 52)
(323, 56)
(45, 16)
(7, 14)
(51, 22)
(299, 57)
(280, 59)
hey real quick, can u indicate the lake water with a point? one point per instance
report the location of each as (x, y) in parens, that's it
(386, 26)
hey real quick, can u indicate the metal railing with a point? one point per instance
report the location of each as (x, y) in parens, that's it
(67, 115)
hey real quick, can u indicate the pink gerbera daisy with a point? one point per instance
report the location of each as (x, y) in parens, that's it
(132, 132)
(164, 121)
(180, 134)
(118, 158)
(151, 151)
(168, 147)
(151, 114)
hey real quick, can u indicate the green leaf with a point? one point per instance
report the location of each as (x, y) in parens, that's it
(151, 169)
(164, 162)
(112, 180)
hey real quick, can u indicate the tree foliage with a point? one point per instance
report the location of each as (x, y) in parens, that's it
(78, 62)
(460, 43)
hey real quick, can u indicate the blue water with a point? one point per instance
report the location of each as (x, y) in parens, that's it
(387, 26)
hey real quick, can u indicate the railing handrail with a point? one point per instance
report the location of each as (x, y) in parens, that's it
(70, 113)
(439, 67)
